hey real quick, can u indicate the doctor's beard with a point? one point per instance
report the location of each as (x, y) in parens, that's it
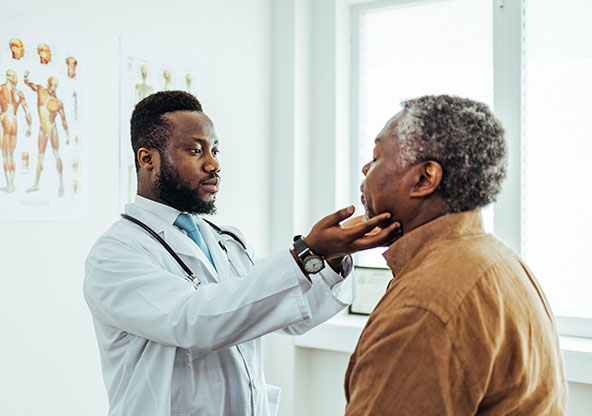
(178, 193)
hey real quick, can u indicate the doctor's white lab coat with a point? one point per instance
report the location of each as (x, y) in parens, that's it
(168, 348)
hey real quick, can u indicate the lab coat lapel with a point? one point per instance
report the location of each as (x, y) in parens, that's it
(212, 238)
(179, 242)
(185, 246)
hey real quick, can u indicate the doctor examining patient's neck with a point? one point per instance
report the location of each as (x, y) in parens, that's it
(180, 304)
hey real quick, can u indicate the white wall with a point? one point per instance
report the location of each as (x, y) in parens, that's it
(49, 361)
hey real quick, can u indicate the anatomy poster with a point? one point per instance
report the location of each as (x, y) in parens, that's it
(40, 134)
(145, 69)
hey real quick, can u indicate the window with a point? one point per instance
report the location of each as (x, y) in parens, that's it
(557, 144)
(414, 50)
(411, 48)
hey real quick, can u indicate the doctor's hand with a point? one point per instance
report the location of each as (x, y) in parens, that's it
(328, 239)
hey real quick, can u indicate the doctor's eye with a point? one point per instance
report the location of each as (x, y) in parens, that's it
(197, 149)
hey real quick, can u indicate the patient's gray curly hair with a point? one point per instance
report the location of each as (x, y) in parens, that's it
(465, 138)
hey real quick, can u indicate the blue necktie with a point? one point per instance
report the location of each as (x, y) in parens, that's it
(185, 221)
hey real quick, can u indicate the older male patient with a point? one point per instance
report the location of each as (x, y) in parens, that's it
(464, 328)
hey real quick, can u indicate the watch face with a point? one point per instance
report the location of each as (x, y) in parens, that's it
(314, 264)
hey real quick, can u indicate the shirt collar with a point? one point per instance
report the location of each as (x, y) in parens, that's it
(446, 227)
(162, 211)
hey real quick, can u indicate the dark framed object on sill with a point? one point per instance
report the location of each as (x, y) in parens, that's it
(371, 283)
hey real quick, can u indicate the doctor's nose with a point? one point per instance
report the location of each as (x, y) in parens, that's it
(212, 165)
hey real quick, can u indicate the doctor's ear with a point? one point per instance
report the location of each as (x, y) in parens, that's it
(148, 158)
(428, 176)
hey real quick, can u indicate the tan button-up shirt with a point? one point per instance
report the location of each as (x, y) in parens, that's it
(463, 329)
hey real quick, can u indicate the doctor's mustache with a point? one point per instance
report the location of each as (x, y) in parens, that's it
(214, 178)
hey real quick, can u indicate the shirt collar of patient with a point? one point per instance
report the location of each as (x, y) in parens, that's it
(419, 240)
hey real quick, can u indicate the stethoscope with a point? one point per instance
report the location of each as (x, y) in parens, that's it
(234, 238)
(189, 273)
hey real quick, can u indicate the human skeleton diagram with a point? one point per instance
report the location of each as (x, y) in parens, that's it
(10, 100)
(143, 90)
(167, 80)
(188, 81)
(48, 106)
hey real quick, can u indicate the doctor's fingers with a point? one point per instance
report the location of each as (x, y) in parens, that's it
(335, 218)
(386, 236)
(337, 242)
(368, 227)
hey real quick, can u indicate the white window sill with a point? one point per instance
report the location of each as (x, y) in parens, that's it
(341, 334)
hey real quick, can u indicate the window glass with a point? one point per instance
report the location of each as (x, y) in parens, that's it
(414, 50)
(557, 144)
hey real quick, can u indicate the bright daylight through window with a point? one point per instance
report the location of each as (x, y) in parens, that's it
(556, 222)
(446, 47)
(413, 50)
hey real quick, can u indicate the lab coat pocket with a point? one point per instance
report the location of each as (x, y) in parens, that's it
(185, 382)
(273, 397)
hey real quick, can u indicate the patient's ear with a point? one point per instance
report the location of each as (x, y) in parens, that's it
(427, 178)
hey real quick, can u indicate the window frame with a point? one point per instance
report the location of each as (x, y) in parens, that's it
(508, 70)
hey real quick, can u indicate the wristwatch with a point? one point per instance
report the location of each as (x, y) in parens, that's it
(309, 262)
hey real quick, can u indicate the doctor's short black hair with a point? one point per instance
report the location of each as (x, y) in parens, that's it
(148, 128)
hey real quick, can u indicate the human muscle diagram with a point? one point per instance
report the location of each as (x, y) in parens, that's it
(39, 113)
(44, 52)
(71, 62)
(49, 106)
(10, 101)
(16, 48)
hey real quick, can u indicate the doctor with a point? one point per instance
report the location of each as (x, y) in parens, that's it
(182, 336)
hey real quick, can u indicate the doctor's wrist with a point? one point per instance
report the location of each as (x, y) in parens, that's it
(341, 265)
(299, 263)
